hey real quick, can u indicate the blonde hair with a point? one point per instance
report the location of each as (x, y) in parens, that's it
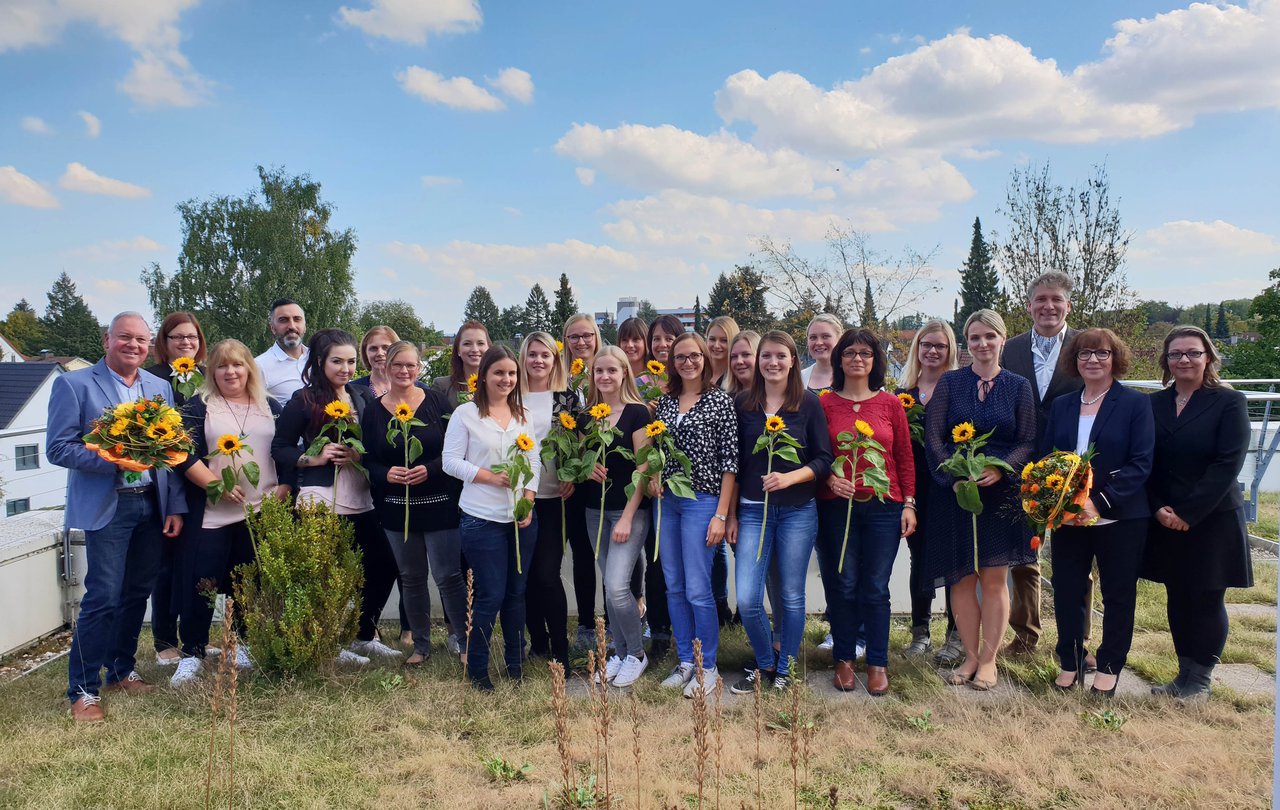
(753, 340)
(828, 319)
(558, 380)
(911, 370)
(627, 391)
(400, 347)
(564, 334)
(220, 354)
(989, 317)
(730, 328)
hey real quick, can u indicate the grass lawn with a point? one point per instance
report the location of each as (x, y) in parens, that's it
(1268, 516)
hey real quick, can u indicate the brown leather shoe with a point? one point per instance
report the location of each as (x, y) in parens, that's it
(845, 680)
(877, 680)
(1019, 648)
(88, 709)
(133, 684)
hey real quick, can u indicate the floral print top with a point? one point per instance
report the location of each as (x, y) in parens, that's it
(708, 435)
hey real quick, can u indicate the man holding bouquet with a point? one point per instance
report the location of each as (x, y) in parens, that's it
(126, 515)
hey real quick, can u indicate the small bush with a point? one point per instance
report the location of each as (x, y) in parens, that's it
(301, 596)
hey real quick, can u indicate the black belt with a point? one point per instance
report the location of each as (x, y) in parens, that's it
(144, 489)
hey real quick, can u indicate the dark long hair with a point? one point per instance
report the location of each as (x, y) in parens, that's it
(854, 337)
(635, 328)
(667, 323)
(481, 398)
(316, 390)
(754, 398)
(457, 377)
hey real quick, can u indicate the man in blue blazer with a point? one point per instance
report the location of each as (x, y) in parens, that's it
(124, 523)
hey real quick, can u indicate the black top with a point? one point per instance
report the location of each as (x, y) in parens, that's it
(165, 372)
(707, 434)
(808, 426)
(433, 504)
(634, 417)
(294, 433)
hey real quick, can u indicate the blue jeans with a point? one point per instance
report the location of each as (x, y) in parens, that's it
(788, 538)
(123, 560)
(686, 565)
(490, 549)
(861, 591)
(617, 563)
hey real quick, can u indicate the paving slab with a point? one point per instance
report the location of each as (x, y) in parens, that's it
(1251, 609)
(1244, 678)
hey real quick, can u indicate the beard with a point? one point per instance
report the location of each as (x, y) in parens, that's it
(289, 340)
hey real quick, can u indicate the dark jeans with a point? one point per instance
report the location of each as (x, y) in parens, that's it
(720, 574)
(922, 588)
(379, 571)
(1197, 621)
(123, 558)
(490, 549)
(419, 557)
(546, 608)
(655, 585)
(584, 560)
(207, 560)
(861, 596)
(1118, 550)
(165, 604)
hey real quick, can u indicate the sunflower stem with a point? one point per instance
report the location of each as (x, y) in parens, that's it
(764, 519)
(657, 531)
(848, 512)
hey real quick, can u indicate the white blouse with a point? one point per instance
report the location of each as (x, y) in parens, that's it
(472, 443)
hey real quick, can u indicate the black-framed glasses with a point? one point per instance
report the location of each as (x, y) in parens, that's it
(688, 359)
(933, 347)
(183, 338)
(1101, 354)
(861, 354)
(1194, 354)
(404, 367)
(580, 338)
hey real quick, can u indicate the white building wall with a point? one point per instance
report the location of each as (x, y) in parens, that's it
(46, 485)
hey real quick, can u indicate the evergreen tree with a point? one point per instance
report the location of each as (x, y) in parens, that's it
(566, 305)
(697, 315)
(511, 324)
(645, 311)
(957, 324)
(481, 307)
(70, 328)
(22, 329)
(1208, 326)
(979, 282)
(869, 320)
(537, 312)
(740, 295)
(1220, 329)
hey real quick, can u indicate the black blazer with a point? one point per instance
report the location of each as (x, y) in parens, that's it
(1018, 359)
(1198, 455)
(1123, 437)
(294, 432)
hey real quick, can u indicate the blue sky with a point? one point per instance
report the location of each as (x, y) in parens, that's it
(641, 148)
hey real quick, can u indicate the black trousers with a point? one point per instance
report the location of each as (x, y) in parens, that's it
(584, 560)
(380, 571)
(1118, 549)
(655, 589)
(208, 560)
(1198, 622)
(166, 605)
(546, 608)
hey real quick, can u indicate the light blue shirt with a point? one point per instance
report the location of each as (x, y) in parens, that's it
(129, 393)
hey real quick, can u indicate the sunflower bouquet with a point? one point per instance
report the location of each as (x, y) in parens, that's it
(598, 441)
(578, 375)
(775, 441)
(1054, 490)
(402, 427)
(651, 463)
(186, 376)
(655, 383)
(915, 416)
(139, 436)
(563, 448)
(342, 428)
(861, 444)
(515, 463)
(966, 464)
(230, 446)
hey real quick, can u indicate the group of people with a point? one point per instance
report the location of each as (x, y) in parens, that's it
(1165, 504)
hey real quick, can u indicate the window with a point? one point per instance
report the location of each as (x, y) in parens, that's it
(26, 457)
(17, 506)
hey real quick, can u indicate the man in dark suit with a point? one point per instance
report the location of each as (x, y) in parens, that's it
(125, 522)
(1034, 355)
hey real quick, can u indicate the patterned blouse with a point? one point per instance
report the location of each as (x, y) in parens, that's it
(708, 435)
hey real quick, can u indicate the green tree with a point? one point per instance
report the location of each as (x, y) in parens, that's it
(645, 311)
(511, 323)
(1220, 329)
(22, 328)
(241, 253)
(1208, 325)
(481, 307)
(538, 315)
(741, 295)
(566, 305)
(1260, 358)
(869, 319)
(1160, 312)
(698, 325)
(403, 318)
(70, 328)
(979, 281)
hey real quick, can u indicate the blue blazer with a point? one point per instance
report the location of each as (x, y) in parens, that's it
(79, 397)
(1124, 441)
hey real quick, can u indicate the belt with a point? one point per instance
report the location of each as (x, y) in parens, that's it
(145, 489)
(863, 498)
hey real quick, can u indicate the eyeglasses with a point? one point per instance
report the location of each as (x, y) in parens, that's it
(933, 347)
(1174, 357)
(1101, 354)
(404, 366)
(581, 338)
(688, 359)
(861, 354)
(183, 338)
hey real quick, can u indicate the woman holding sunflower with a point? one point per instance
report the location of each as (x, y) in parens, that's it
(484, 435)
(469, 346)
(633, 339)
(968, 403)
(228, 418)
(777, 515)
(333, 475)
(411, 491)
(857, 584)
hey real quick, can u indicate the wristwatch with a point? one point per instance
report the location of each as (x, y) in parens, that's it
(721, 518)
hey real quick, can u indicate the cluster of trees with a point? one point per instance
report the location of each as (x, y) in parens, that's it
(537, 314)
(68, 328)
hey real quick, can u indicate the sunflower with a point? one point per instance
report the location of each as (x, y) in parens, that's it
(907, 400)
(963, 432)
(524, 442)
(160, 431)
(559, 346)
(1070, 458)
(567, 421)
(403, 412)
(183, 365)
(600, 410)
(1054, 481)
(229, 444)
(863, 428)
(576, 367)
(472, 381)
(119, 426)
(655, 428)
(170, 416)
(655, 367)
(824, 392)
(123, 411)
(774, 424)
(1031, 465)
(337, 409)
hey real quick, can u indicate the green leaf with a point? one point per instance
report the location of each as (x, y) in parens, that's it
(788, 453)
(251, 472)
(762, 443)
(680, 487)
(844, 436)
(838, 466)
(968, 498)
(317, 445)
(228, 479)
(353, 430)
(522, 509)
(356, 445)
(214, 492)
(415, 448)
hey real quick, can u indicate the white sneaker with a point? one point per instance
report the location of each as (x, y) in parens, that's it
(611, 668)
(348, 657)
(680, 675)
(708, 682)
(827, 643)
(211, 651)
(374, 647)
(630, 671)
(243, 661)
(162, 661)
(188, 670)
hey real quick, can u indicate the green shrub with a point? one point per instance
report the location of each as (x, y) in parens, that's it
(300, 598)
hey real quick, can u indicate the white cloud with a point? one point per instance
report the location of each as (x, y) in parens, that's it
(36, 125)
(586, 176)
(458, 91)
(92, 126)
(412, 21)
(18, 189)
(514, 83)
(112, 249)
(434, 180)
(79, 177)
(109, 285)
(513, 211)
(1188, 241)
(161, 75)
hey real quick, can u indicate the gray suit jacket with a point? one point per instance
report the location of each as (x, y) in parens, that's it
(1017, 358)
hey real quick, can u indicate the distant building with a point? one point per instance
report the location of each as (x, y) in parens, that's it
(685, 314)
(27, 478)
(9, 353)
(627, 308)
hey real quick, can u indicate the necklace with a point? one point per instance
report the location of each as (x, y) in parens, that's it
(1084, 401)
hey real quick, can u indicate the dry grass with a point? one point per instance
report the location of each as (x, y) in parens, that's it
(1268, 516)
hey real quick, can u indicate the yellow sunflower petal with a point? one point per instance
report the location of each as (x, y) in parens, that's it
(472, 381)
(577, 366)
(524, 442)
(600, 411)
(655, 428)
(907, 400)
(774, 424)
(567, 421)
(655, 367)
(963, 432)
(863, 428)
(337, 409)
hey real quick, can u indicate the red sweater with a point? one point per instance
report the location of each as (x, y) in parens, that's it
(889, 421)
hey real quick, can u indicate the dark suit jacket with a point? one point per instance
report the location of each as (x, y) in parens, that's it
(294, 433)
(1123, 437)
(1017, 358)
(1199, 454)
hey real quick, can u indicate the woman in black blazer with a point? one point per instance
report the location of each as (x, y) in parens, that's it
(1199, 546)
(1112, 527)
